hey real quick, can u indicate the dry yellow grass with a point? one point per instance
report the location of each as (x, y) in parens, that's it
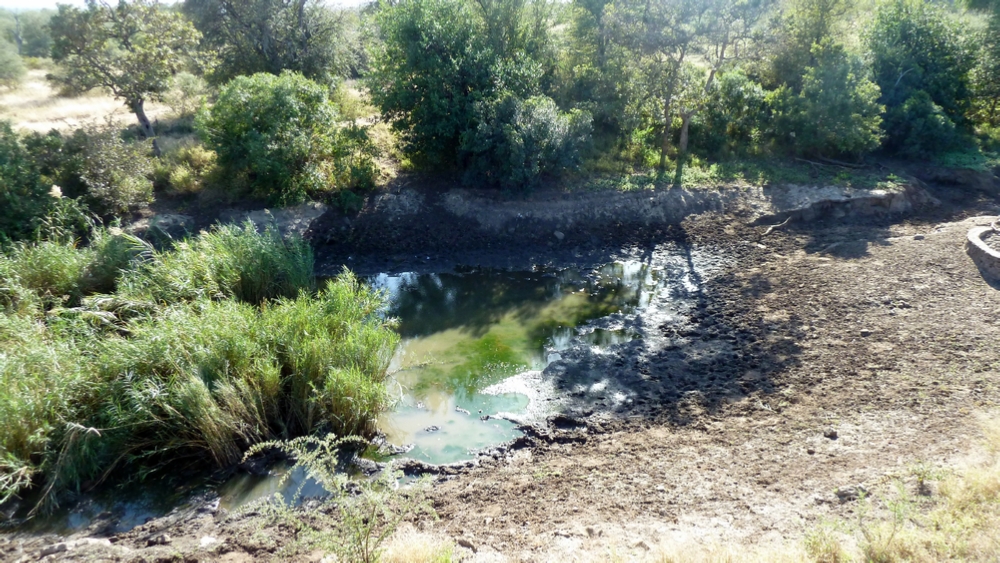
(408, 545)
(36, 106)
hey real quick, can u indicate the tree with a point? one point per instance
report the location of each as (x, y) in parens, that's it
(251, 36)
(915, 47)
(132, 49)
(11, 67)
(438, 59)
(836, 111)
(29, 32)
(681, 47)
(802, 25)
(985, 77)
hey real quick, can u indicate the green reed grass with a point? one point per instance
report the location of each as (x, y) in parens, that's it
(194, 355)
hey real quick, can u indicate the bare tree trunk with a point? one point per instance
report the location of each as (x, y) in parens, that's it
(665, 139)
(18, 39)
(144, 124)
(682, 146)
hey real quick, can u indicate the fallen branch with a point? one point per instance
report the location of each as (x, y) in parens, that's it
(773, 228)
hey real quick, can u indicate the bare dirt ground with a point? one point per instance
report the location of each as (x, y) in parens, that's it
(824, 355)
(36, 107)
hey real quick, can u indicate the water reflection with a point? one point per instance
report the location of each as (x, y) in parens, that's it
(465, 331)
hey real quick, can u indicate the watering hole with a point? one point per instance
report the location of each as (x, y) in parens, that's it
(467, 338)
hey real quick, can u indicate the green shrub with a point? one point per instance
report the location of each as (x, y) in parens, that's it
(437, 60)
(921, 128)
(11, 66)
(187, 169)
(517, 141)
(187, 94)
(279, 135)
(733, 118)
(117, 173)
(24, 197)
(836, 113)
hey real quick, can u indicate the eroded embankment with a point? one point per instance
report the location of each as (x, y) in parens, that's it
(425, 229)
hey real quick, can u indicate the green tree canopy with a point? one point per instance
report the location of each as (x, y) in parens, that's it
(251, 36)
(438, 59)
(915, 46)
(131, 48)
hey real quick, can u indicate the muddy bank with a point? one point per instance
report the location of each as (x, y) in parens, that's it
(422, 227)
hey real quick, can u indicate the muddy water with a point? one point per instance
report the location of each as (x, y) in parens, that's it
(463, 332)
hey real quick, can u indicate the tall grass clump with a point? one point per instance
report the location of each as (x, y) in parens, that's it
(186, 356)
(228, 262)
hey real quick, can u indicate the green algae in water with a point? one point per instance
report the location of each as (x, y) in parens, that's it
(464, 332)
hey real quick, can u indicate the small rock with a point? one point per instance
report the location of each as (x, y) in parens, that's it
(918, 237)
(462, 542)
(865, 332)
(810, 451)
(53, 549)
(850, 493)
(560, 235)
(461, 410)
(161, 539)
(830, 433)
(431, 429)
(643, 545)
(207, 541)
(591, 531)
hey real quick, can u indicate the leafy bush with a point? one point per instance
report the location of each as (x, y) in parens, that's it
(519, 140)
(187, 169)
(117, 173)
(733, 118)
(837, 111)
(279, 136)
(921, 128)
(187, 94)
(11, 66)
(24, 197)
(436, 62)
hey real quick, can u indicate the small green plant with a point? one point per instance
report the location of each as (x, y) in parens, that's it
(367, 512)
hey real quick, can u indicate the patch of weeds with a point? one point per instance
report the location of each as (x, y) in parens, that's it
(356, 521)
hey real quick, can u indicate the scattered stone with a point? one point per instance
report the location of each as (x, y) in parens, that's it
(206, 541)
(592, 532)
(830, 433)
(642, 545)
(462, 542)
(431, 429)
(918, 237)
(810, 451)
(560, 235)
(461, 410)
(160, 539)
(852, 492)
(53, 549)
(865, 332)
